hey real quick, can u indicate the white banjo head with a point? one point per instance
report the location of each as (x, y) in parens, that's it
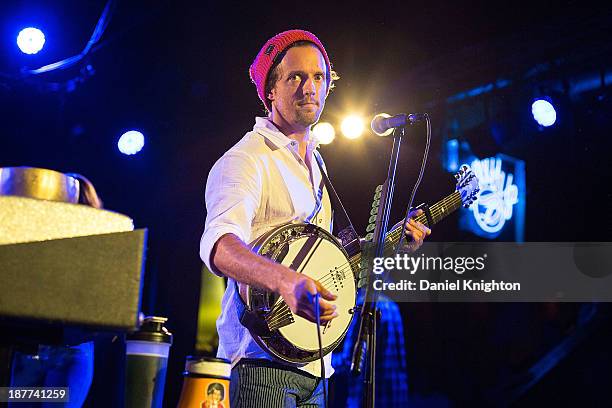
(331, 268)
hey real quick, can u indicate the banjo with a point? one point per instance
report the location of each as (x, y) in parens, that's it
(311, 250)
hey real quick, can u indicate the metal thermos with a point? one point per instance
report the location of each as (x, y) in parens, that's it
(146, 361)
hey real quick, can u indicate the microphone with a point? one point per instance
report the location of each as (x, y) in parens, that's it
(383, 124)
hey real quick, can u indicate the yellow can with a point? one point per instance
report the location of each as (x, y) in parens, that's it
(206, 383)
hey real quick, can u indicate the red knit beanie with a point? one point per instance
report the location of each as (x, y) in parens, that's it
(274, 46)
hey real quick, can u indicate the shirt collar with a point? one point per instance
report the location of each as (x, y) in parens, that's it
(266, 128)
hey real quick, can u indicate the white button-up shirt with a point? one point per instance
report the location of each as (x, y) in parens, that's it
(257, 185)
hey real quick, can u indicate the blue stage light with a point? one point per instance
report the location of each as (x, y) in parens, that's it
(452, 155)
(131, 142)
(30, 40)
(544, 112)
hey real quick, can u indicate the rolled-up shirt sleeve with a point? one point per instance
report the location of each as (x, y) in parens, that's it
(233, 193)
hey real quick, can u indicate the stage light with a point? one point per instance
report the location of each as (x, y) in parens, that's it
(352, 127)
(452, 155)
(324, 132)
(131, 142)
(30, 40)
(544, 112)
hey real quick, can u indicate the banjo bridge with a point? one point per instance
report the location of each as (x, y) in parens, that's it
(338, 277)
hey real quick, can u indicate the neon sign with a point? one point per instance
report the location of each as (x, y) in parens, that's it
(497, 195)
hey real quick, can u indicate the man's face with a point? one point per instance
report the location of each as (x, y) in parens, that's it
(298, 97)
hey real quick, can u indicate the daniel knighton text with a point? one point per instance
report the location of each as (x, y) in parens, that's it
(458, 265)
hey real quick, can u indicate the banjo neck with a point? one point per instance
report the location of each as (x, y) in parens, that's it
(439, 211)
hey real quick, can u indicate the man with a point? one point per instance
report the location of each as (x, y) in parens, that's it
(269, 178)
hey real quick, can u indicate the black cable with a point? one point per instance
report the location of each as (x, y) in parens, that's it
(318, 316)
(421, 172)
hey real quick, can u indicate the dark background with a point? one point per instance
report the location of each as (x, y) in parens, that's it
(177, 71)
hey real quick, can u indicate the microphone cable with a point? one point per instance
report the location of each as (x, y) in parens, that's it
(421, 172)
(318, 322)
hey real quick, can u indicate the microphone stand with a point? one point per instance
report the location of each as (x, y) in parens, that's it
(365, 347)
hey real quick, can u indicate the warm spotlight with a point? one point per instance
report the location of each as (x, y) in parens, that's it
(324, 132)
(352, 127)
(131, 142)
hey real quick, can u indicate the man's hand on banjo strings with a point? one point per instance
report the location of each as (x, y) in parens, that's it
(298, 292)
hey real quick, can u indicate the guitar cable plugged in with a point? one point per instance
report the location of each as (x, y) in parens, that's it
(317, 307)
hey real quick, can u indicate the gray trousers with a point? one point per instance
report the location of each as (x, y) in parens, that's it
(265, 384)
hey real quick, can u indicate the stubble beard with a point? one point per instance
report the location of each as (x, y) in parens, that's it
(308, 118)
